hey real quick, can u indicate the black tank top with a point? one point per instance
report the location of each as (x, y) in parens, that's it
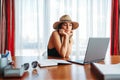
(53, 51)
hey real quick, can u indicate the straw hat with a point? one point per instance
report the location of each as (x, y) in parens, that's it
(65, 18)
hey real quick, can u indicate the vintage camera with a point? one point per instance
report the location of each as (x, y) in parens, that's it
(9, 71)
(6, 69)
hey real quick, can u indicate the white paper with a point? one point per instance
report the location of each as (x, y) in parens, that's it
(46, 62)
(52, 62)
(108, 69)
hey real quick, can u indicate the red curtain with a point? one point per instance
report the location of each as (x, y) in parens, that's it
(3, 27)
(8, 25)
(114, 28)
(0, 27)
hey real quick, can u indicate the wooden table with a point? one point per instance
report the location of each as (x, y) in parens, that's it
(61, 72)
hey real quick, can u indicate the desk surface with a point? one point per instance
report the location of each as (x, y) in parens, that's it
(61, 72)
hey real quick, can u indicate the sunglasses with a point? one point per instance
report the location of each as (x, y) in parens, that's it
(34, 65)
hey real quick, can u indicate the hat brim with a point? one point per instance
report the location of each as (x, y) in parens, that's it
(75, 24)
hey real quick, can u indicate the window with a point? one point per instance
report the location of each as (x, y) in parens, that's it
(35, 18)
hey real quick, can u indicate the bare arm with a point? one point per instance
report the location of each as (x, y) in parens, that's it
(69, 50)
(60, 47)
(64, 46)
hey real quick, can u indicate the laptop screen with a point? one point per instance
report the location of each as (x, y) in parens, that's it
(96, 50)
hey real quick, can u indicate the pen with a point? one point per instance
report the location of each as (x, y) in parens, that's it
(6, 54)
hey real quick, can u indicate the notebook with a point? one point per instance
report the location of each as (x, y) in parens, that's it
(96, 51)
(52, 62)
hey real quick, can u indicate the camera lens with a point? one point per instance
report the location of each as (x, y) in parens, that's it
(34, 64)
(26, 66)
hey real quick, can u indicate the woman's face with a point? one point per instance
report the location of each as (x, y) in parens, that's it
(66, 26)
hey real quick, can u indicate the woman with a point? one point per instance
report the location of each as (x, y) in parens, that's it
(61, 41)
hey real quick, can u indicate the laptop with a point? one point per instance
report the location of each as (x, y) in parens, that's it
(96, 51)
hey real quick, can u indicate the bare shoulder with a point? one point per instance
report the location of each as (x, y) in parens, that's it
(55, 36)
(55, 33)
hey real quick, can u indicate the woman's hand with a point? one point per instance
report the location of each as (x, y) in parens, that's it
(66, 32)
(70, 33)
(62, 32)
